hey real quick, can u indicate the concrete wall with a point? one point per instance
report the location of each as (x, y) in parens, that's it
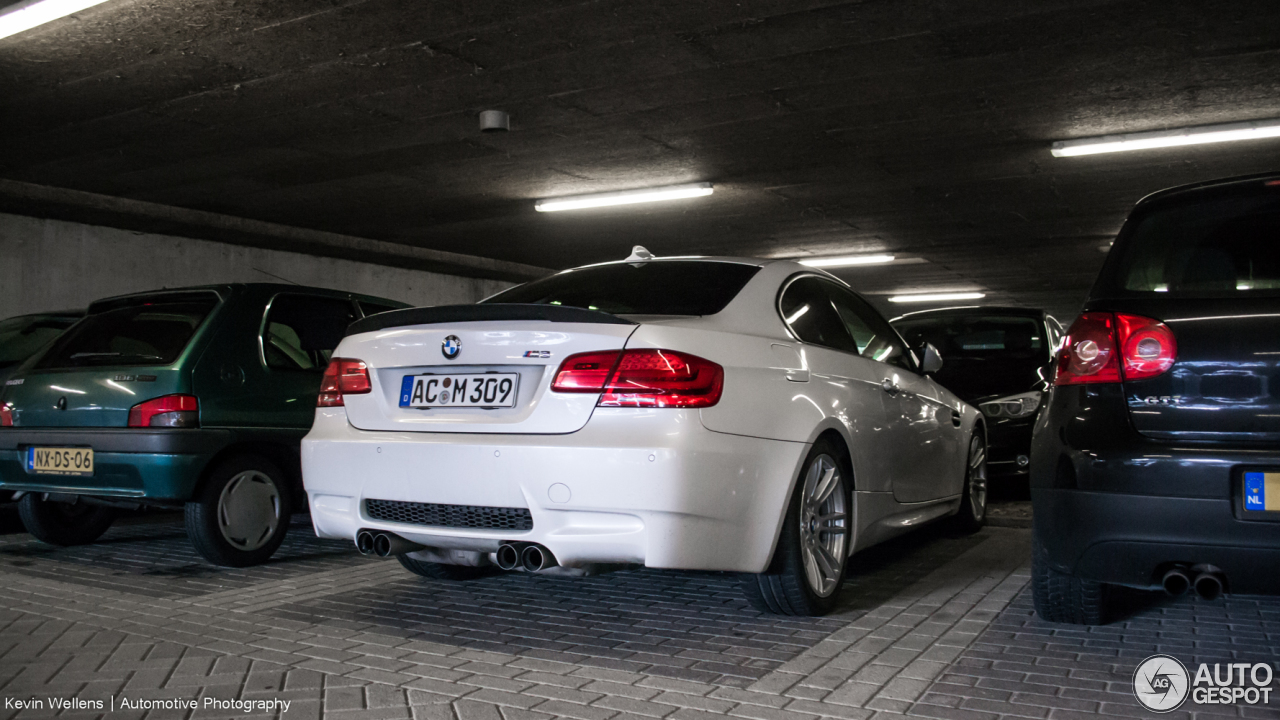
(56, 265)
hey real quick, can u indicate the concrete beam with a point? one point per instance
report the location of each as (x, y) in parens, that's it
(75, 205)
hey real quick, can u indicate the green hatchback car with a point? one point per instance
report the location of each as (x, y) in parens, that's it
(195, 398)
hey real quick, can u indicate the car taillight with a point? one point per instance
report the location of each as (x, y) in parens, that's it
(585, 372)
(1147, 347)
(175, 411)
(642, 378)
(6, 415)
(1106, 347)
(343, 376)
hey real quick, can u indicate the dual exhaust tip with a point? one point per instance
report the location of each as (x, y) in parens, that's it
(510, 556)
(530, 556)
(384, 544)
(1207, 583)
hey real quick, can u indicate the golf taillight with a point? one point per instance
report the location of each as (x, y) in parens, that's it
(343, 376)
(1106, 347)
(174, 411)
(6, 415)
(642, 378)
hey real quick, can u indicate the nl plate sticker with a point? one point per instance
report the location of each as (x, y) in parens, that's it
(1262, 491)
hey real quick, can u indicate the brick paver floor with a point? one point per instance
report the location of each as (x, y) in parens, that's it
(929, 625)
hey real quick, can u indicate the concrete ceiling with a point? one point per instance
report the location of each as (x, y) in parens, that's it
(911, 126)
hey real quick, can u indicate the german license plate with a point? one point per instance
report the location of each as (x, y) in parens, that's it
(480, 390)
(1261, 491)
(60, 461)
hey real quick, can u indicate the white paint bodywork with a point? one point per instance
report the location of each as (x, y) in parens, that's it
(670, 488)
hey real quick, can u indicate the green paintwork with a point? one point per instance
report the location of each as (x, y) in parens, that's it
(222, 365)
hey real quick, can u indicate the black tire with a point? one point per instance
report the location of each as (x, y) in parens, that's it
(1062, 597)
(440, 571)
(241, 513)
(65, 524)
(786, 587)
(973, 496)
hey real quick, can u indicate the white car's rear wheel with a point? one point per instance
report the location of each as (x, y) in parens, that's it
(813, 549)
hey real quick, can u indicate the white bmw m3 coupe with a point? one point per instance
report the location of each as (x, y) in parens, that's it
(754, 416)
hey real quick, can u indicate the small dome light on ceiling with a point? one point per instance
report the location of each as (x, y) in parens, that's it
(494, 121)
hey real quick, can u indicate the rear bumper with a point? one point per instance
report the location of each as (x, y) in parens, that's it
(1114, 506)
(637, 486)
(128, 462)
(1133, 539)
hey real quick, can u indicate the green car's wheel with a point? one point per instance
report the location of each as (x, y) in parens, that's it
(59, 523)
(241, 514)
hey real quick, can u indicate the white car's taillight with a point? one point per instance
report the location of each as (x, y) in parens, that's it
(343, 376)
(642, 378)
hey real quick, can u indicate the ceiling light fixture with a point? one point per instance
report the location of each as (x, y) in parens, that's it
(1198, 135)
(848, 261)
(936, 297)
(26, 15)
(626, 197)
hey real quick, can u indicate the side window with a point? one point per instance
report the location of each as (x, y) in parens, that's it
(807, 310)
(302, 330)
(875, 338)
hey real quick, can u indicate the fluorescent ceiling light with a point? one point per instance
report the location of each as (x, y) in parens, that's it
(937, 297)
(1168, 138)
(626, 197)
(847, 261)
(26, 15)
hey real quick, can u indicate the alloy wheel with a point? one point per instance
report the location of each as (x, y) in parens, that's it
(824, 525)
(978, 476)
(249, 510)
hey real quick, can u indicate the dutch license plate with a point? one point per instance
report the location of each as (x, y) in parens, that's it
(1262, 491)
(60, 461)
(479, 390)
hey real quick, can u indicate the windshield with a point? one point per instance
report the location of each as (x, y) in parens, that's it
(1216, 247)
(667, 287)
(150, 333)
(989, 344)
(21, 337)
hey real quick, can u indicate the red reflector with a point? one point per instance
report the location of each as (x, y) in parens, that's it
(585, 372)
(343, 376)
(166, 411)
(1271, 183)
(1104, 348)
(6, 415)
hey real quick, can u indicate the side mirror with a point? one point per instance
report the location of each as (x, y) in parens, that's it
(932, 361)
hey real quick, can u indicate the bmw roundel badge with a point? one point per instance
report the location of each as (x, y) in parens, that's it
(451, 347)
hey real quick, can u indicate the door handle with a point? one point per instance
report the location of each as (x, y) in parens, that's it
(888, 386)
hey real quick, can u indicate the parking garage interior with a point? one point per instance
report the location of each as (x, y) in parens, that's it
(399, 150)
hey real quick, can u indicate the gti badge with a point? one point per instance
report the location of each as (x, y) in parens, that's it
(451, 347)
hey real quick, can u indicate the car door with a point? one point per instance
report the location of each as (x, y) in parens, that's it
(298, 335)
(921, 431)
(841, 383)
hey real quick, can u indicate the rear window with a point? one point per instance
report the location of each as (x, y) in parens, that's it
(666, 287)
(21, 337)
(1218, 246)
(150, 333)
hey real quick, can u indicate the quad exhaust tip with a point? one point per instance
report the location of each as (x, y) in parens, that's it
(507, 557)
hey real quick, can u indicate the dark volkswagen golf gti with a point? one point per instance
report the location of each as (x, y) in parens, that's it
(1157, 463)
